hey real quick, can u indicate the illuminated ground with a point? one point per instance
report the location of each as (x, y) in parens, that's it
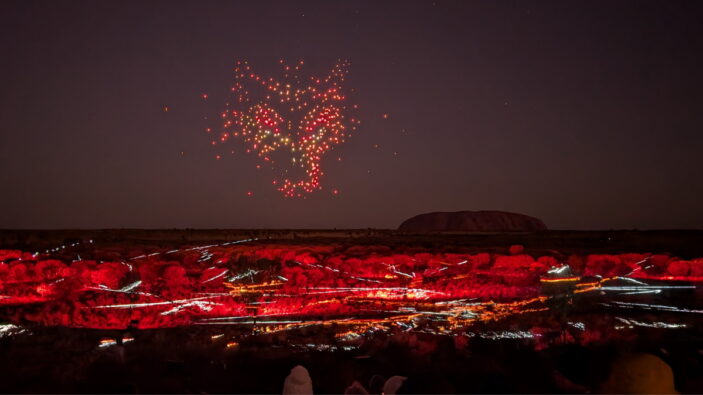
(276, 299)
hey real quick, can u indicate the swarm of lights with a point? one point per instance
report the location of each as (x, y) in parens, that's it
(304, 117)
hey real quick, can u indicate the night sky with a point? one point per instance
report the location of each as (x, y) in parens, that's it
(588, 115)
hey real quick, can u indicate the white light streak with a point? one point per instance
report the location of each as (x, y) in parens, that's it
(216, 277)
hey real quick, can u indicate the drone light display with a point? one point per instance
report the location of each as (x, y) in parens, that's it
(289, 122)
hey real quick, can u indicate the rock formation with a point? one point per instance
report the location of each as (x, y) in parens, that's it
(472, 221)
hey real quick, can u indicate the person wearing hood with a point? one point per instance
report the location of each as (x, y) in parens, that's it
(639, 373)
(298, 382)
(393, 384)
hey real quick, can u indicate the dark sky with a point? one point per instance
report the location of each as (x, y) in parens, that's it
(586, 114)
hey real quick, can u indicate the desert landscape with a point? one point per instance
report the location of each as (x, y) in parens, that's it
(360, 197)
(356, 296)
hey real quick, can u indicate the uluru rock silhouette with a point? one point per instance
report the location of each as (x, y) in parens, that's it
(472, 221)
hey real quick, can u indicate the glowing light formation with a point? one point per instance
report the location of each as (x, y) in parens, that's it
(289, 122)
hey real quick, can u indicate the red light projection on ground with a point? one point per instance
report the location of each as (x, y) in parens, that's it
(267, 288)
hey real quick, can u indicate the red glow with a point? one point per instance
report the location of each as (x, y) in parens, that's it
(193, 285)
(283, 114)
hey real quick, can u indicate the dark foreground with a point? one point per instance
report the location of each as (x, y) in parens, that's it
(185, 361)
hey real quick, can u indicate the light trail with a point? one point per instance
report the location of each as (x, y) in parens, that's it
(216, 277)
